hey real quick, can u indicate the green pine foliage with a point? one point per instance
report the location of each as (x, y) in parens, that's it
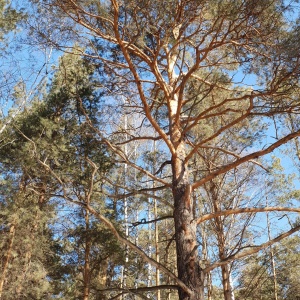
(49, 132)
(9, 17)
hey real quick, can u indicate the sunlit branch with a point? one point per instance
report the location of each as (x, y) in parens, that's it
(253, 249)
(244, 210)
(246, 158)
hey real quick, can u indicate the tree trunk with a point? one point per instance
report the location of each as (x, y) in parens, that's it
(219, 226)
(188, 267)
(36, 225)
(7, 257)
(86, 270)
(272, 259)
(205, 258)
(156, 250)
(227, 290)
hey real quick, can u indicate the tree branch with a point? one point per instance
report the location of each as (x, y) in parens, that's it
(253, 250)
(244, 210)
(245, 159)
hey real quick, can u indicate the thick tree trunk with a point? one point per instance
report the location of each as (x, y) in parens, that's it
(189, 270)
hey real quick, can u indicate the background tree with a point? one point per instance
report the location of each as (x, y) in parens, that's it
(68, 146)
(259, 271)
(191, 74)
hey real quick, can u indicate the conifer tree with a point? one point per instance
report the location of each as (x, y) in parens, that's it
(179, 68)
(50, 154)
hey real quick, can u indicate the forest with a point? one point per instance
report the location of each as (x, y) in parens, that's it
(149, 149)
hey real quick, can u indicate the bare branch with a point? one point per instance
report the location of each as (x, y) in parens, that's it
(143, 221)
(244, 210)
(253, 249)
(246, 158)
(137, 250)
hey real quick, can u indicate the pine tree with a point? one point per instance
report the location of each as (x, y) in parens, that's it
(153, 59)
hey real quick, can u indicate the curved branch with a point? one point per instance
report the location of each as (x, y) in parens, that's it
(143, 221)
(115, 232)
(136, 249)
(246, 158)
(141, 289)
(253, 249)
(138, 80)
(244, 210)
(136, 291)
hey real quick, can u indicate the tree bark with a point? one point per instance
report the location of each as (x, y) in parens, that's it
(7, 257)
(272, 259)
(227, 290)
(189, 270)
(220, 231)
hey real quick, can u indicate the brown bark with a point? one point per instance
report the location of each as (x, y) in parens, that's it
(189, 270)
(227, 292)
(7, 257)
(236, 211)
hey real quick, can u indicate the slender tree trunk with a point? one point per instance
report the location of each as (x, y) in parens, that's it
(157, 273)
(227, 288)
(7, 257)
(86, 269)
(149, 250)
(272, 259)
(156, 250)
(36, 225)
(209, 286)
(205, 258)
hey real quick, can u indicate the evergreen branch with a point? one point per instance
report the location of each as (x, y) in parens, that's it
(115, 232)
